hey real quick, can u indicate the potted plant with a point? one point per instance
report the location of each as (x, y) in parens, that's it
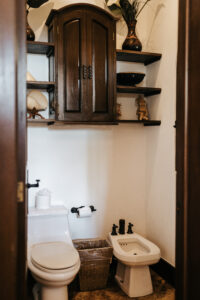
(30, 35)
(130, 10)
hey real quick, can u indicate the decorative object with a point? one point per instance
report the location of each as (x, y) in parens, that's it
(119, 113)
(30, 35)
(130, 10)
(36, 102)
(142, 111)
(29, 77)
(129, 78)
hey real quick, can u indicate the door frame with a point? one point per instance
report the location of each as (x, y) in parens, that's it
(187, 152)
(12, 150)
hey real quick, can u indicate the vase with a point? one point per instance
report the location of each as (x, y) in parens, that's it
(132, 42)
(30, 35)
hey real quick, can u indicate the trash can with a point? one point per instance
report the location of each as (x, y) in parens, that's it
(96, 257)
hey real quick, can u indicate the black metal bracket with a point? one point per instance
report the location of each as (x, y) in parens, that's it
(34, 185)
(74, 210)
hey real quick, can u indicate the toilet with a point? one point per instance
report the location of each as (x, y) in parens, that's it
(134, 254)
(52, 258)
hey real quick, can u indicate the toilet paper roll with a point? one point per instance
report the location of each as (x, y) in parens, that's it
(84, 212)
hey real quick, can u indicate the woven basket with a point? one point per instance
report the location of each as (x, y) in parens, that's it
(96, 256)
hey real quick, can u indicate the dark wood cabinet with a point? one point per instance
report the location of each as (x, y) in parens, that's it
(84, 63)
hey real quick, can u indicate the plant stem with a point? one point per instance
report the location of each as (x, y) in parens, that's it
(142, 8)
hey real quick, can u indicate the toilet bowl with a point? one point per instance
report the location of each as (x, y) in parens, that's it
(52, 258)
(134, 254)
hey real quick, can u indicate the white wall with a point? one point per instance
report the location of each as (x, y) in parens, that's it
(125, 171)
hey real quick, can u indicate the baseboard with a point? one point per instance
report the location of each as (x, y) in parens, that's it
(165, 270)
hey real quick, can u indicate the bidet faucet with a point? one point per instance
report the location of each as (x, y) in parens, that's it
(121, 226)
(130, 231)
(114, 232)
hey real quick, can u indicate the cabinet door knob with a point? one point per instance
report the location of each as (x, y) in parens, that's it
(85, 71)
(90, 72)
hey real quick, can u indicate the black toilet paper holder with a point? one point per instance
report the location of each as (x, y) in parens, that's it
(75, 210)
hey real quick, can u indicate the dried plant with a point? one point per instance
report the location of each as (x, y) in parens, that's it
(130, 10)
(36, 3)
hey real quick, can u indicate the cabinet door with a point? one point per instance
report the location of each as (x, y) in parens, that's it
(101, 59)
(72, 75)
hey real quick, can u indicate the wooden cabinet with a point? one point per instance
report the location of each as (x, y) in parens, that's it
(84, 65)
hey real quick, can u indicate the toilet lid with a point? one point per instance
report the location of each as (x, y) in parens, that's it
(54, 256)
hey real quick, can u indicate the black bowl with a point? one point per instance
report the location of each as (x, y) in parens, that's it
(129, 78)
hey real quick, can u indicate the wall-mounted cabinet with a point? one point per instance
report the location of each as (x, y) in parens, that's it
(84, 63)
(82, 67)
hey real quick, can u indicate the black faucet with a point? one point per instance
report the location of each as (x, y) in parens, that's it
(121, 226)
(130, 231)
(114, 232)
(34, 185)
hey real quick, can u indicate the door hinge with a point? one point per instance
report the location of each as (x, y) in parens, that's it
(20, 191)
(113, 36)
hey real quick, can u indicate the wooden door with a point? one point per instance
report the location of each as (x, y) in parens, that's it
(188, 152)
(12, 150)
(72, 68)
(101, 62)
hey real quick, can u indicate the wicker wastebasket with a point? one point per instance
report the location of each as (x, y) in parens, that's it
(96, 256)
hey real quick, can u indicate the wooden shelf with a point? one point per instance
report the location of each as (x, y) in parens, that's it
(146, 123)
(146, 91)
(56, 122)
(41, 121)
(49, 122)
(40, 85)
(139, 57)
(40, 48)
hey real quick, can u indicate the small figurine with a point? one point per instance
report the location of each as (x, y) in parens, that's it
(142, 111)
(119, 113)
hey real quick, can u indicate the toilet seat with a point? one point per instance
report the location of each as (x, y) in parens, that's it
(54, 257)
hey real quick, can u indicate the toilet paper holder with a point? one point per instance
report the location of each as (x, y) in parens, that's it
(75, 210)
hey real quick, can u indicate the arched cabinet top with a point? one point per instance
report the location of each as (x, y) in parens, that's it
(86, 6)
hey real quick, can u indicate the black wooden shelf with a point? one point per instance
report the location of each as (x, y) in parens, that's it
(146, 91)
(41, 121)
(40, 85)
(146, 123)
(139, 57)
(40, 48)
(55, 122)
(60, 122)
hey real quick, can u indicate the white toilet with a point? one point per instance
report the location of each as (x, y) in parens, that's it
(52, 258)
(134, 254)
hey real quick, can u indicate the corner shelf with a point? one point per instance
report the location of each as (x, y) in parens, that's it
(40, 48)
(139, 57)
(146, 91)
(41, 85)
(145, 123)
(40, 121)
(57, 122)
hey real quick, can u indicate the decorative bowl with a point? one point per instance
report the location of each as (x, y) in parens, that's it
(129, 79)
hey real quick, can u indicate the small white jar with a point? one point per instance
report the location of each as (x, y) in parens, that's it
(43, 199)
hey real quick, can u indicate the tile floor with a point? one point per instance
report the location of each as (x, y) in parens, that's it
(162, 291)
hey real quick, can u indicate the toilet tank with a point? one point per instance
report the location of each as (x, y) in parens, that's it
(48, 225)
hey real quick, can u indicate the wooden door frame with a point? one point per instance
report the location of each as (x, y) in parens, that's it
(12, 149)
(188, 152)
